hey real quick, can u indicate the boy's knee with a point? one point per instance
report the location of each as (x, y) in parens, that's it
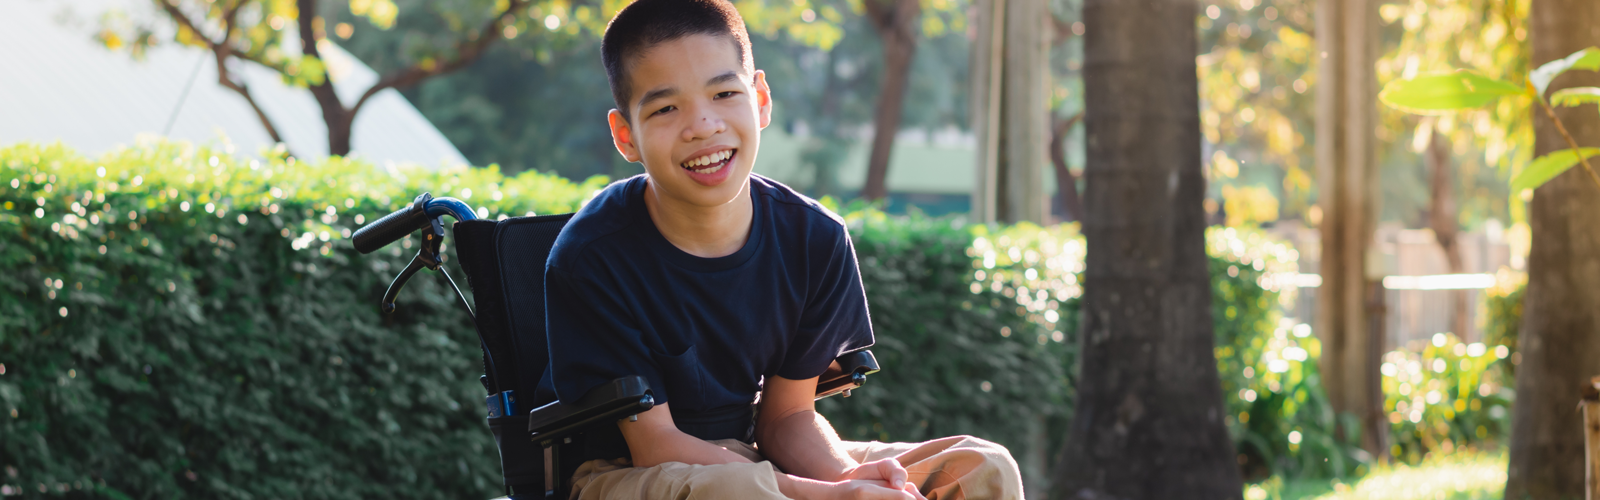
(991, 451)
(989, 469)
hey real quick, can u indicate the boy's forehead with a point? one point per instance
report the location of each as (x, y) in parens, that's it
(689, 60)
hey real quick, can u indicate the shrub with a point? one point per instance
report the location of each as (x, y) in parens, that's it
(1503, 315)
(177, 323)
(959, 358)
(1278, 413)
(1445, 397)
(186, 324)
(220, 340)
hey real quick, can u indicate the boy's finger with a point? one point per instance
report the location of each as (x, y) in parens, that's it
(893, 472)
(911, 489)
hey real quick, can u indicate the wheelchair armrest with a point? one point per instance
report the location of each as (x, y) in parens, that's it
(846, 373)
(604, 404)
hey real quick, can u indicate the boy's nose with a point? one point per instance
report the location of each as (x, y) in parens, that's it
(705, 126)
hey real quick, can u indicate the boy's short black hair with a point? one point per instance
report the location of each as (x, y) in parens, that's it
(647, 23)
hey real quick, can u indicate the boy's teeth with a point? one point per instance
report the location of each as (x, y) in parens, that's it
(709, 159)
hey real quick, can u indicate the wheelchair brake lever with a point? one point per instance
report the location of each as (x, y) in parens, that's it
(399, 282)
(428, 256)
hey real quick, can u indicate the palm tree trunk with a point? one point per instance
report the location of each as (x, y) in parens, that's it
(1560, 334)
(1149, 418)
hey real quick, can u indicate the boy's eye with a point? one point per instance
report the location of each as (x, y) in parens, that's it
(729, 93)
(663, 110)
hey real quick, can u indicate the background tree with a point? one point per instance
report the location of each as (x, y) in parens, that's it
(256, 31)
(1149, 401)
(1348, 194)
(896, 22)
(531, 102)
(1559, 342)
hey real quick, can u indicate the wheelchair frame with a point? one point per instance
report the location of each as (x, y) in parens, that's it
(552, 426)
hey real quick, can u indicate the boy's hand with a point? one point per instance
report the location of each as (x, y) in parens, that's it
(874, 490)
(888, 470)
(856, 489)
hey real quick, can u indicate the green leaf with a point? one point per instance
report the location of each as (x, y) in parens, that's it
(1584, 59)
(1576, 96)
(1548, 167)
(1432, 94)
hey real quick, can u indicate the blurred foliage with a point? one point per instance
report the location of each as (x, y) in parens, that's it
(1445, 397)
(230, 277)
(1278, 414)
(1248, 206)
(178, 323)
(1488, 146)
(1257, 82)
(966, 342)
(538, 100)
(1257, 67)
(1503, 316)
(1455, 476)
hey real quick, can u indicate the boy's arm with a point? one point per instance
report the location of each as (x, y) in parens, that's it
(799, 440)
(654, 440)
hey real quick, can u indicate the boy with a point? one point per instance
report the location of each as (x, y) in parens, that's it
(717, 286)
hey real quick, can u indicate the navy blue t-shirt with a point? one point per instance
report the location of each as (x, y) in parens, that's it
(621, 300)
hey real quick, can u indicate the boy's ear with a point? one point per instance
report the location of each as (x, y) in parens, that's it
(622, 136)
(763, 99)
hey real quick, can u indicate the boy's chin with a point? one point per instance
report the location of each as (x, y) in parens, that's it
(715, 189)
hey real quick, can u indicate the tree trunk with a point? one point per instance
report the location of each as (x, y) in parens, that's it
(1346, 187)
(1066, 184)
(1149, 418)
(1442, 218)
(896, 24)
(334, 114)
(1561, 310)
(1011, 109)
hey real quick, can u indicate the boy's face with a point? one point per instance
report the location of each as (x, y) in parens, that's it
(697, 119)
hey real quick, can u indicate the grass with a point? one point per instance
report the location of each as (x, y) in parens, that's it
(1459, 476)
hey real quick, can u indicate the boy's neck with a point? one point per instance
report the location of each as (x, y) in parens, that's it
(706, 232)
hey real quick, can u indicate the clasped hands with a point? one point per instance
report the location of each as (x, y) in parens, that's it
(878, 480)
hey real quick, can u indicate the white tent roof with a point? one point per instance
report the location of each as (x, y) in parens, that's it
(57, 83)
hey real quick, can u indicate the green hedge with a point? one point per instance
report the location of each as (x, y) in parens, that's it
(961, 353)
(271, 374)
(181, 325)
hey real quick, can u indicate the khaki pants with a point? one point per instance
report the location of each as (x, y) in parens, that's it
(958, 467)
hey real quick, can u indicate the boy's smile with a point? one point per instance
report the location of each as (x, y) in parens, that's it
(695, 120)
(709, 169)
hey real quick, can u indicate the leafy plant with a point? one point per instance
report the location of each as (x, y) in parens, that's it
(1278, 414)
(959, 357)
(1445, 397)
(1440, 93)
(1503, 316)
(178, 323)
(181, 323)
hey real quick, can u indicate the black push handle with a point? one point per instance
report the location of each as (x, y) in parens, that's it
(380, 233)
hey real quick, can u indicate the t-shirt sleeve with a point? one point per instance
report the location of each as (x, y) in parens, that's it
(593, 338)
(835, 319)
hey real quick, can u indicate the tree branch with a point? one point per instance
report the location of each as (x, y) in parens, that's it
(1066, 183)
(334, 114)
(467, 52)
(222, 51)
(1570, 143)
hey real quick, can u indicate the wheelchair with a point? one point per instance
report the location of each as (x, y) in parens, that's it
(504, 261)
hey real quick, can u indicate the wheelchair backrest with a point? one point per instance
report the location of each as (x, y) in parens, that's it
(505, 262)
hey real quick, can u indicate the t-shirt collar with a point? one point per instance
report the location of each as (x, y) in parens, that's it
(672, 253)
